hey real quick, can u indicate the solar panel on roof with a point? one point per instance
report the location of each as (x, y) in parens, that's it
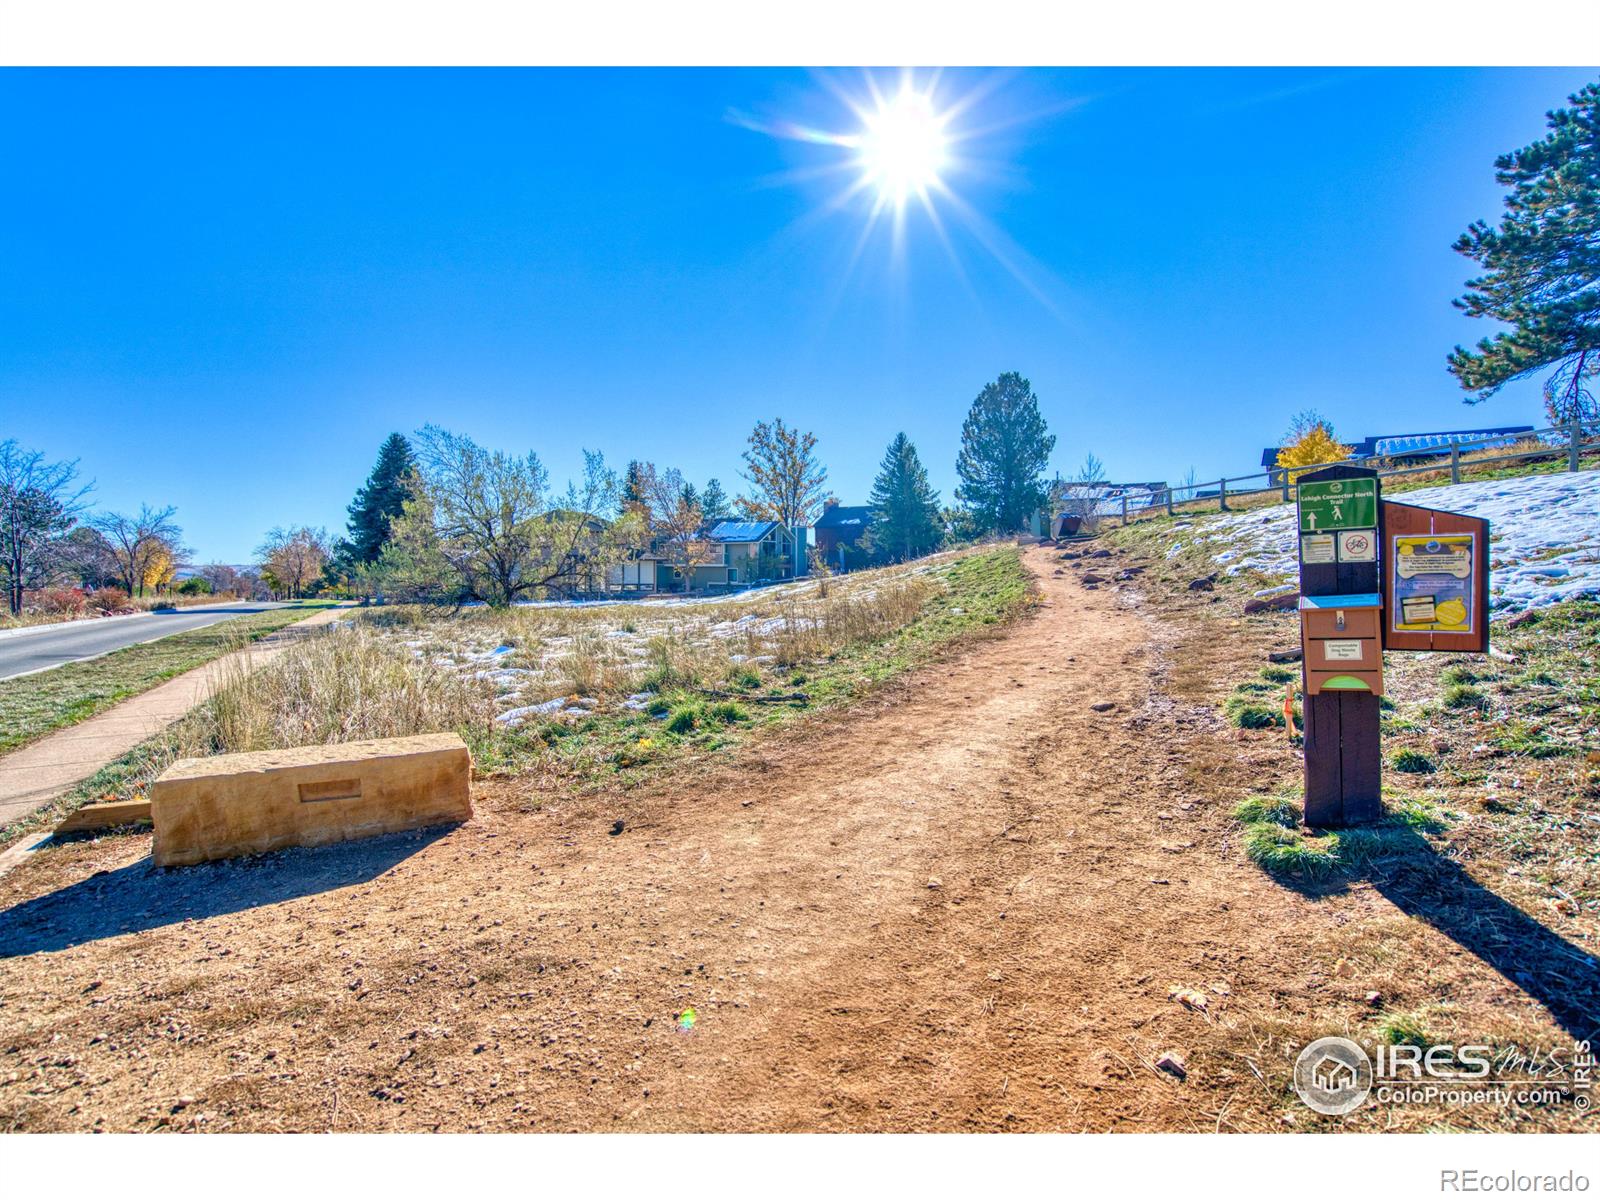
(741, 531)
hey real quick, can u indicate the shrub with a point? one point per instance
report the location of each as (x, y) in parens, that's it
(194, 587)
(1414, 762)
(108, 599)
(61, 600)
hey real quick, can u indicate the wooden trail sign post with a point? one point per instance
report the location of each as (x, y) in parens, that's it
(1373, 576)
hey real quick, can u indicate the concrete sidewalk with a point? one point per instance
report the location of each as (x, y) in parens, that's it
(38, 773)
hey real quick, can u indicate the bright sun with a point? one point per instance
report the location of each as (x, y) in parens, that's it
(903, 147)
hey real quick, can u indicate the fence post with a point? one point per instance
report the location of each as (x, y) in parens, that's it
(1169, 502)
(1285, 478)
(1124, 510)
(1572, 446)
(1455, 462)
(1222, 495)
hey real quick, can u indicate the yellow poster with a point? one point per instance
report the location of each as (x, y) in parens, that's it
(1433, 586)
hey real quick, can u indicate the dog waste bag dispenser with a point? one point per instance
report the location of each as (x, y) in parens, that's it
(1340, 637)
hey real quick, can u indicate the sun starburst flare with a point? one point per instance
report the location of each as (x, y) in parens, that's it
(905, 155)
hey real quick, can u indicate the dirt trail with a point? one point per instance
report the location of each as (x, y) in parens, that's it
(960, 906)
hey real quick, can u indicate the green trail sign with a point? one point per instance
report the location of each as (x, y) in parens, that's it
(1331, 504)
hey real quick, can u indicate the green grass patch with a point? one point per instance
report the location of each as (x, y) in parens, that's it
(1463, 696)
(32, 706)
(1257, 704)
(1275, 840)
(745, 678)
(1405, 1029)
(1413, 762)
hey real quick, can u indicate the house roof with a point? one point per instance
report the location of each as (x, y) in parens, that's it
(844, 516)
(1398, 445)
(741, 531)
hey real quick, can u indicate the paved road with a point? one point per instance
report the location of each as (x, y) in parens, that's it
(73, 640)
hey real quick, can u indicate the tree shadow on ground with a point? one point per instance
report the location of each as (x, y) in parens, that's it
(1409, 871)
(144, 896)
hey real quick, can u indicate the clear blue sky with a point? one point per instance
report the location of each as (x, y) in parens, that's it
(222, 289)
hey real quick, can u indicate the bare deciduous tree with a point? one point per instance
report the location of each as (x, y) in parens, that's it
(782, 468)
(39, 503)
(293, 559)
(676, 520)
(1082, 495)
(485, 525)
(139, 540)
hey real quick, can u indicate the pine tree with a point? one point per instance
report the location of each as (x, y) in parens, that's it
(1541, 267)
(1004, 450)
(905, 508)
(690, 497)
(714, 502)
(379, 502)
(633, 497)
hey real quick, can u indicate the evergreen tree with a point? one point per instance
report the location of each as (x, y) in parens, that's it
(905, 508)
(378, 503)
(633, 481)
(1542, 267)
(690, 497)
(714, 502)
(1004, 450)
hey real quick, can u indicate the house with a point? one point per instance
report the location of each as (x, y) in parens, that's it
(1401, 446)
(640, 573)
(840, 528)
(739, 553)
(752, 552)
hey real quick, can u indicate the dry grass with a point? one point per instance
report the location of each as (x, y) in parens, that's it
(345, 685)
(557, 692)
(536, 653)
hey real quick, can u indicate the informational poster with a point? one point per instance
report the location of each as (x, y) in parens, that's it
(1316, 548)
(1358, 545)
(1433, 584)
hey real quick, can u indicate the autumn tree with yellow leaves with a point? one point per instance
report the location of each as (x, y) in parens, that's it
(1310, 443)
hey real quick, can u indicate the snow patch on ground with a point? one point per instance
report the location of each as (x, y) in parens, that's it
(1544, 532)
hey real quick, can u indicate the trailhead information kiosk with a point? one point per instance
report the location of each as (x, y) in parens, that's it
(1374, 576)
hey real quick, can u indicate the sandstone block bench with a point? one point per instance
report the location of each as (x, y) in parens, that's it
(207, 808)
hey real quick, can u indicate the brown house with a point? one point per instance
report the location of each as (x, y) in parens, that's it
(840, 526)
